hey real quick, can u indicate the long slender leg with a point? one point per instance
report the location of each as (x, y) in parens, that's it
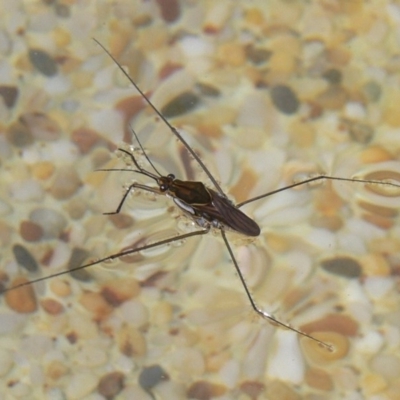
(318, 178)
(255, 307)
(133, 186)
(112, 257)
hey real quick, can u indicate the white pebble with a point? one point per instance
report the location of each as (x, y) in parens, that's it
(91, 356)
(371, 343)
(287, 364)
(355, 110)
(229, 373)
(378, 287)
(135, 313)
(26, 190)
(80, 385)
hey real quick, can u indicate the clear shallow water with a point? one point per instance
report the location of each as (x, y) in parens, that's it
(301, 88)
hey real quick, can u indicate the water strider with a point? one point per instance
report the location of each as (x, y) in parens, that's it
(209, 208)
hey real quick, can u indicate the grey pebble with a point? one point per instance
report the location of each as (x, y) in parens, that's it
(284, 99)
(24, 258)
(43, 62)
(342, 266)
(151, 376)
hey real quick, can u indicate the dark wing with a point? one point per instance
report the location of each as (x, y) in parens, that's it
(231, 216)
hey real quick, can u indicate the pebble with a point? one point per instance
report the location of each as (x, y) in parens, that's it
(335, 323)
(24, 258)
(62, 10)
(117, 291)
(60, 287)
(51, 306)
(52, 222)
(386, 365)
(345, 267)
(280, 390)
(19, 134)
(78, 257)
(131, 341)
(152, 376)
(110, 385)
(360, 132)
(43, 62)
(121, 220)
(284, 99)
(319, 355)
(203, 390)
(287, 353)
(95, 304)
(9, 95)
(253, 389)
(181, 104)
(85, 139)
(22, 300)
(373, 91)
(170, 10)
(80, 385)
(65, 184)
(372, 384)
(319, 379)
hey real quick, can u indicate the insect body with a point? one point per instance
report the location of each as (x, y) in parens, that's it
(208, 208)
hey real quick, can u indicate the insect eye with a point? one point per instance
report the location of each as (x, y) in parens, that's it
(171, 176)
(163, 187)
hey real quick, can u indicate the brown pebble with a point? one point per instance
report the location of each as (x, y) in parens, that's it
(19, 135)
(170, 10)
(51, 306)
(9, 95)
(119, 290)
(131, 342)
(22, 300)
(96, 304)
(203, 390)
(341, 324)
(320, 355)
(66, 182)
(30, 231)
(121, 220)
(85, 139)
(253, 389)
(111, 384)
(319, 379)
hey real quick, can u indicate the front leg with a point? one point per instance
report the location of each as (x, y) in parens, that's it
(132, 186)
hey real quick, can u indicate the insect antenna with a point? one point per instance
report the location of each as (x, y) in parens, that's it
(172, 128)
